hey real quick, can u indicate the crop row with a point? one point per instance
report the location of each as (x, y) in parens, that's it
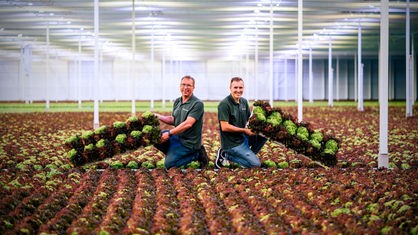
(212, 202)
(41, 190)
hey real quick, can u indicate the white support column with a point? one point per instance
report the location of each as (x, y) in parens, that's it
(96, 64)
(360, 90)
(47, 69)
(295, 78)
(310, 76)
(346, 81)
(24, 71)
(21, 75)
(330, 74)
(172, 63)
(408, 59)
(132, 70)
(369, 81)
(163, 68)
(79, 72)
(285, 80)
(337, 79)
(247, 68)
(271, 55)
(383, 159)
(256, 63)
(241, 63)
(101, 47)
(413, 73)
(355, 77)
(152, 67)
(300, 61)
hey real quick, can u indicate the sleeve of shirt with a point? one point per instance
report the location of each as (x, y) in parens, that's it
(223, 113)
(175, 104)
(248, 109)
(197, 111)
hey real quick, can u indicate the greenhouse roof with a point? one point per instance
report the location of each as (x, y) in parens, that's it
(197, 29)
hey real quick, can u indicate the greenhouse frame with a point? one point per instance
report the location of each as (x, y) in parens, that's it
(49, 49)
(208, 117)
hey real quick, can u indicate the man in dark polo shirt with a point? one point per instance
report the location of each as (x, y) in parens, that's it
(183, 143)
(239, 144)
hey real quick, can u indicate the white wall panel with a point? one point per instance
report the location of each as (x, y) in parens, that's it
(212, 80)
(9, 80)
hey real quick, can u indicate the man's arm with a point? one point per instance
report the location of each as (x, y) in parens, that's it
(226, 127)
(183, 126)
(166, 119)
(180, 128)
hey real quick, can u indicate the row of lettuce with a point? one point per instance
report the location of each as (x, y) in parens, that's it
(275, 124)
(106, 141)
(144, 130)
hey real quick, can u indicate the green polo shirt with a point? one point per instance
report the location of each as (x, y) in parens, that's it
(192, 137)
(236, 114)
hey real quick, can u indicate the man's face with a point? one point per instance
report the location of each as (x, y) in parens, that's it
(237, 89)
(186, 87)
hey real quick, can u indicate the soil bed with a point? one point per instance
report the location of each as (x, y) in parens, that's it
(42, 192)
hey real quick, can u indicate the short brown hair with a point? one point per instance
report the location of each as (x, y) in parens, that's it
(236, 79)
(188, 77)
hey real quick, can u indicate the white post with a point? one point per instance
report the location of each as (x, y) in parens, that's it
(133, 42)
(295, 78)
(310, 76)
(409, 93)
(247, 68)
(172, 71)
(285, 80)
(256, 63)
(300, 61)
(413, 72)
(240, 64)
(383, 161)
(330, 74)
(47, 69)
(163, 76)
(21, 75)
(360, 90)
(152, 67)
(101, 46)
(271, 55)
(346, 81)
(355, 77)
(337, 79)
(96, 64)
(79, 73)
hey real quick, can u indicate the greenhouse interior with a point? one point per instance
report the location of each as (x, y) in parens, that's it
(89, 92)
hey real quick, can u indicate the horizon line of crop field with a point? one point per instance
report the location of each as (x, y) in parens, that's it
(141, 106)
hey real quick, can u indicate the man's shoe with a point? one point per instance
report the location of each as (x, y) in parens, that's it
(203, 157)
(220, 159)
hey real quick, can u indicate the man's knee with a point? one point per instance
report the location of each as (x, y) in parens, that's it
(168, 163)
(255, 162)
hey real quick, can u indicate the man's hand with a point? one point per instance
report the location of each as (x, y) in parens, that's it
(165, 136)
(225, 126)
(249, 132)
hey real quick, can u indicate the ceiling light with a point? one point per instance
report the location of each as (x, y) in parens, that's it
(155, 13)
